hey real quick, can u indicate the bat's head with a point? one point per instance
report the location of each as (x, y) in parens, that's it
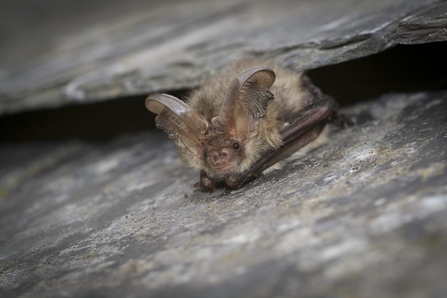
(226, 144)
(229, 147)
(223, 152)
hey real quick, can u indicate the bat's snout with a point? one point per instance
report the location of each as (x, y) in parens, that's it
(222, 159)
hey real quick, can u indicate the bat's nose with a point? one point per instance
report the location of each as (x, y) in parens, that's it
(220, 158)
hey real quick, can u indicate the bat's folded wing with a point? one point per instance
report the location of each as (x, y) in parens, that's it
(305, 129)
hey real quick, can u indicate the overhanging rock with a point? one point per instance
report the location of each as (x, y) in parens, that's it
(139, 47)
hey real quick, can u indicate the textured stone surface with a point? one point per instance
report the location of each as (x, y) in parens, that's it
(365, 215)
(83, 51)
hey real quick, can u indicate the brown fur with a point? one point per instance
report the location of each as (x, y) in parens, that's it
(234, 137)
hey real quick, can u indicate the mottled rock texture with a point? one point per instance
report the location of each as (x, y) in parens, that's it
(364, 215)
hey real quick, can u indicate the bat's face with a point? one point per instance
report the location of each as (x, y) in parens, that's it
(223, 153)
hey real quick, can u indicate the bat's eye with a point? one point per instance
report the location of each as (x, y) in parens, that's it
(236, 146)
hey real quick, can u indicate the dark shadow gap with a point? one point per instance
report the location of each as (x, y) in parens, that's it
(401, 69)
(99, 121)
(409, 68)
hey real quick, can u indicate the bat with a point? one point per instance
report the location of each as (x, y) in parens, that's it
(246, 118)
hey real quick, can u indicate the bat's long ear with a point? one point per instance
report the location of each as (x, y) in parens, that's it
(246, 101)
(183, 125)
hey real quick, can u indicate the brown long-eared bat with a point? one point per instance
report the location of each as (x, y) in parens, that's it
(247, 117)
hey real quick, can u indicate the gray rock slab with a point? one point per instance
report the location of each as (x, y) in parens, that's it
(364, 215)
(84, 51)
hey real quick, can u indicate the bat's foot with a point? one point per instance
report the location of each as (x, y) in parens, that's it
(206, 184)
(232, 182)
